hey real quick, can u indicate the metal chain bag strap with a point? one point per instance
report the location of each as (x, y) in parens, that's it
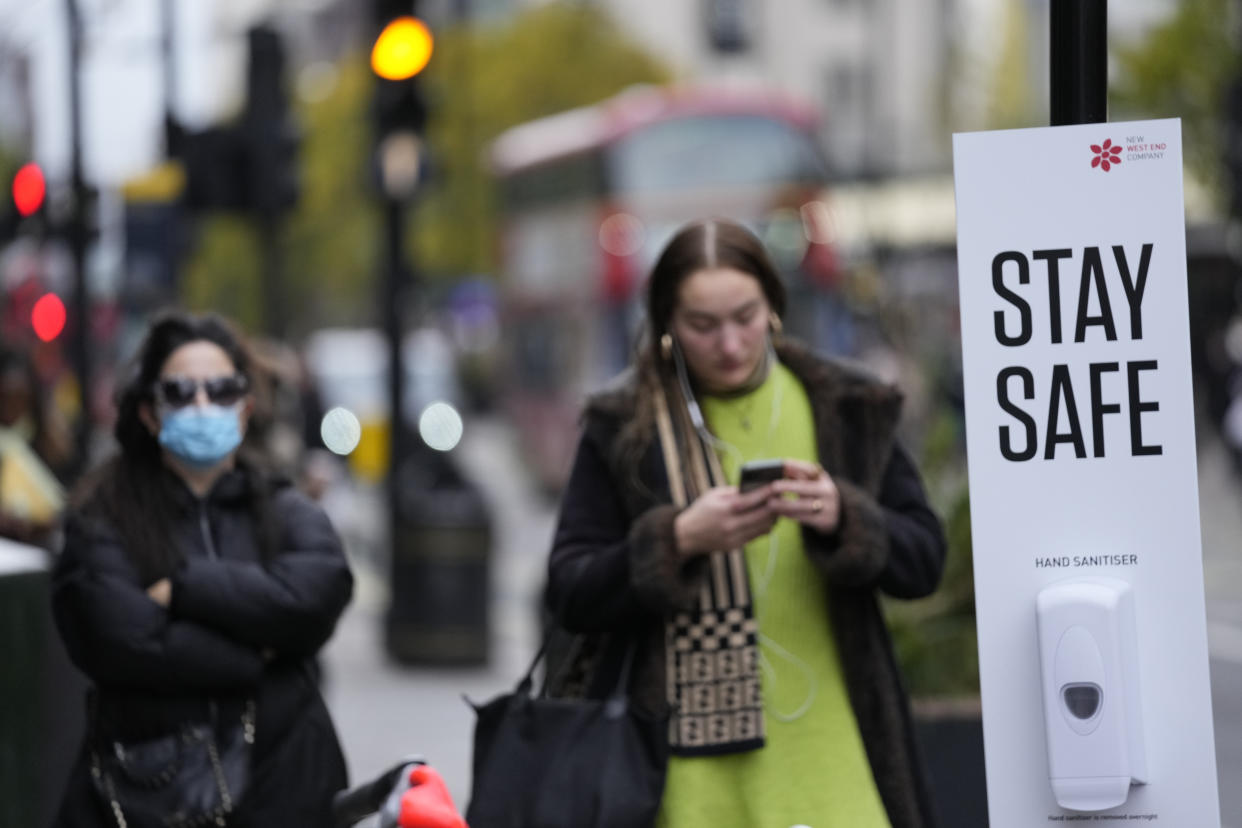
(193, 777)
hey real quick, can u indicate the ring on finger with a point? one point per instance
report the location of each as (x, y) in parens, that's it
(817, 506)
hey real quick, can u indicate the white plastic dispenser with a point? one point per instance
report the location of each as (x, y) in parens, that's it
(1092, 705)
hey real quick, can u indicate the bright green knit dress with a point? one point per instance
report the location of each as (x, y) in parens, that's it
(813, 770)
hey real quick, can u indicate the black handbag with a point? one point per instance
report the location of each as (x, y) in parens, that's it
(567, 763)
(193, 777)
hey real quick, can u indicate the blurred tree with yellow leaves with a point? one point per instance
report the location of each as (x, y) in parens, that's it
(482, 80)
(1182, 68)
(1011, 103)
(485, 80)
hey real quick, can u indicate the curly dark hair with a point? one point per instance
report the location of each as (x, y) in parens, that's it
(131, 491)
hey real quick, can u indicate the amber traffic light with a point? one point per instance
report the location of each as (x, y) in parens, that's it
(402, 49)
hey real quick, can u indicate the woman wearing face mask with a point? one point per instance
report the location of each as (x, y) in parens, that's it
(754, 613)
(193, 590)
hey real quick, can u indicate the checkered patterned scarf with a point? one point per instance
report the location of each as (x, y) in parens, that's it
(711, 650)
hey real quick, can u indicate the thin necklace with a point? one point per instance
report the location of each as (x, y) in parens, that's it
(744, 408)
(778, 393)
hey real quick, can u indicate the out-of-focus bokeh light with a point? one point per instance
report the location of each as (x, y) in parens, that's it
(817, 223)
(340, 430)
(47, 317)
(29, 189)
(317, 81)
(402, 50)
(621, 234)
(440, 426)
(785, 235)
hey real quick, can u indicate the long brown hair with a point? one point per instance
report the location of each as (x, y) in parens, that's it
(705, 244)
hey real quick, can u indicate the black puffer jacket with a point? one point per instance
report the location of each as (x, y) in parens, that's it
(237, 628)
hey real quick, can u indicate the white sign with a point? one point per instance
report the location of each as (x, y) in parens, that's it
(1084, 494)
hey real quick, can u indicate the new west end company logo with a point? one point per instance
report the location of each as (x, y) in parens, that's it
(1106, 155)
(1136, 148)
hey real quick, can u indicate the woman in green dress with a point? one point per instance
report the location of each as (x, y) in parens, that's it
(754, 612)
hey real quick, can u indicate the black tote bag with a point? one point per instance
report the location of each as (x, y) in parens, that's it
(566, 763)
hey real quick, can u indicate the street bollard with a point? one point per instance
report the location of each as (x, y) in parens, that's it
(440, 569)
(950, 732)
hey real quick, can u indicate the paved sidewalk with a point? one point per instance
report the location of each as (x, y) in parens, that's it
(1220, 513)
(383, 710)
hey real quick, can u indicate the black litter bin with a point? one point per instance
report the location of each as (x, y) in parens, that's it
(440, 571)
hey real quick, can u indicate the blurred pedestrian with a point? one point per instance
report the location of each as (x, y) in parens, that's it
(755, 613)
(288, 413)
(34, 450)
(194, 592)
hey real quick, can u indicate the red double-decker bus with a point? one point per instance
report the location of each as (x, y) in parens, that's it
(589, 197)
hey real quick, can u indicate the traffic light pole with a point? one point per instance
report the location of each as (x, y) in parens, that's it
(173, 131)
(274, 316)
(1079, 62)
(397, 280)
(79, 331)
(269, 137)
(399, 120)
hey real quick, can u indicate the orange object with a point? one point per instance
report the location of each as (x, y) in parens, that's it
(402, 49)
(427, 804)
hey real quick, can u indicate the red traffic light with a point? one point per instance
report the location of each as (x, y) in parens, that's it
(29, 189)
(48, 317)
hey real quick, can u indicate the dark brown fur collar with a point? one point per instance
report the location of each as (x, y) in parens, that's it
(846, 379)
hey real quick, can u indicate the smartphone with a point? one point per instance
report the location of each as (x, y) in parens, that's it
(758, 472)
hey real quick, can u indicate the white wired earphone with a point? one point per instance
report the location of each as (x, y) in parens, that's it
(760, 589)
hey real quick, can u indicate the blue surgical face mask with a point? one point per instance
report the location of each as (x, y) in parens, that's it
(201, 436)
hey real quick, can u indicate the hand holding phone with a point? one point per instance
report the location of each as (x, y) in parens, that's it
(727, 518)
(808, 495)
(758, 473)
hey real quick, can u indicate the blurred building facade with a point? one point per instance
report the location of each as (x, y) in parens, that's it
(889, 75)
(893, 78)
(877, 69)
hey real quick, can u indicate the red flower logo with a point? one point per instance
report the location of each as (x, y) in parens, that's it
(1105, 155)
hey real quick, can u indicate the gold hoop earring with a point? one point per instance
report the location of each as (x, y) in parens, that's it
(666, 346)
(775, 322)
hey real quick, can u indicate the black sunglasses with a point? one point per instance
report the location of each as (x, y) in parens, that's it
(182, 391)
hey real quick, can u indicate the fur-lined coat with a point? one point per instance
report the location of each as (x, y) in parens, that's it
(614, 570)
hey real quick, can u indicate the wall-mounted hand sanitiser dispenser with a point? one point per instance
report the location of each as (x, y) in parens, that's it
(1092, 705)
